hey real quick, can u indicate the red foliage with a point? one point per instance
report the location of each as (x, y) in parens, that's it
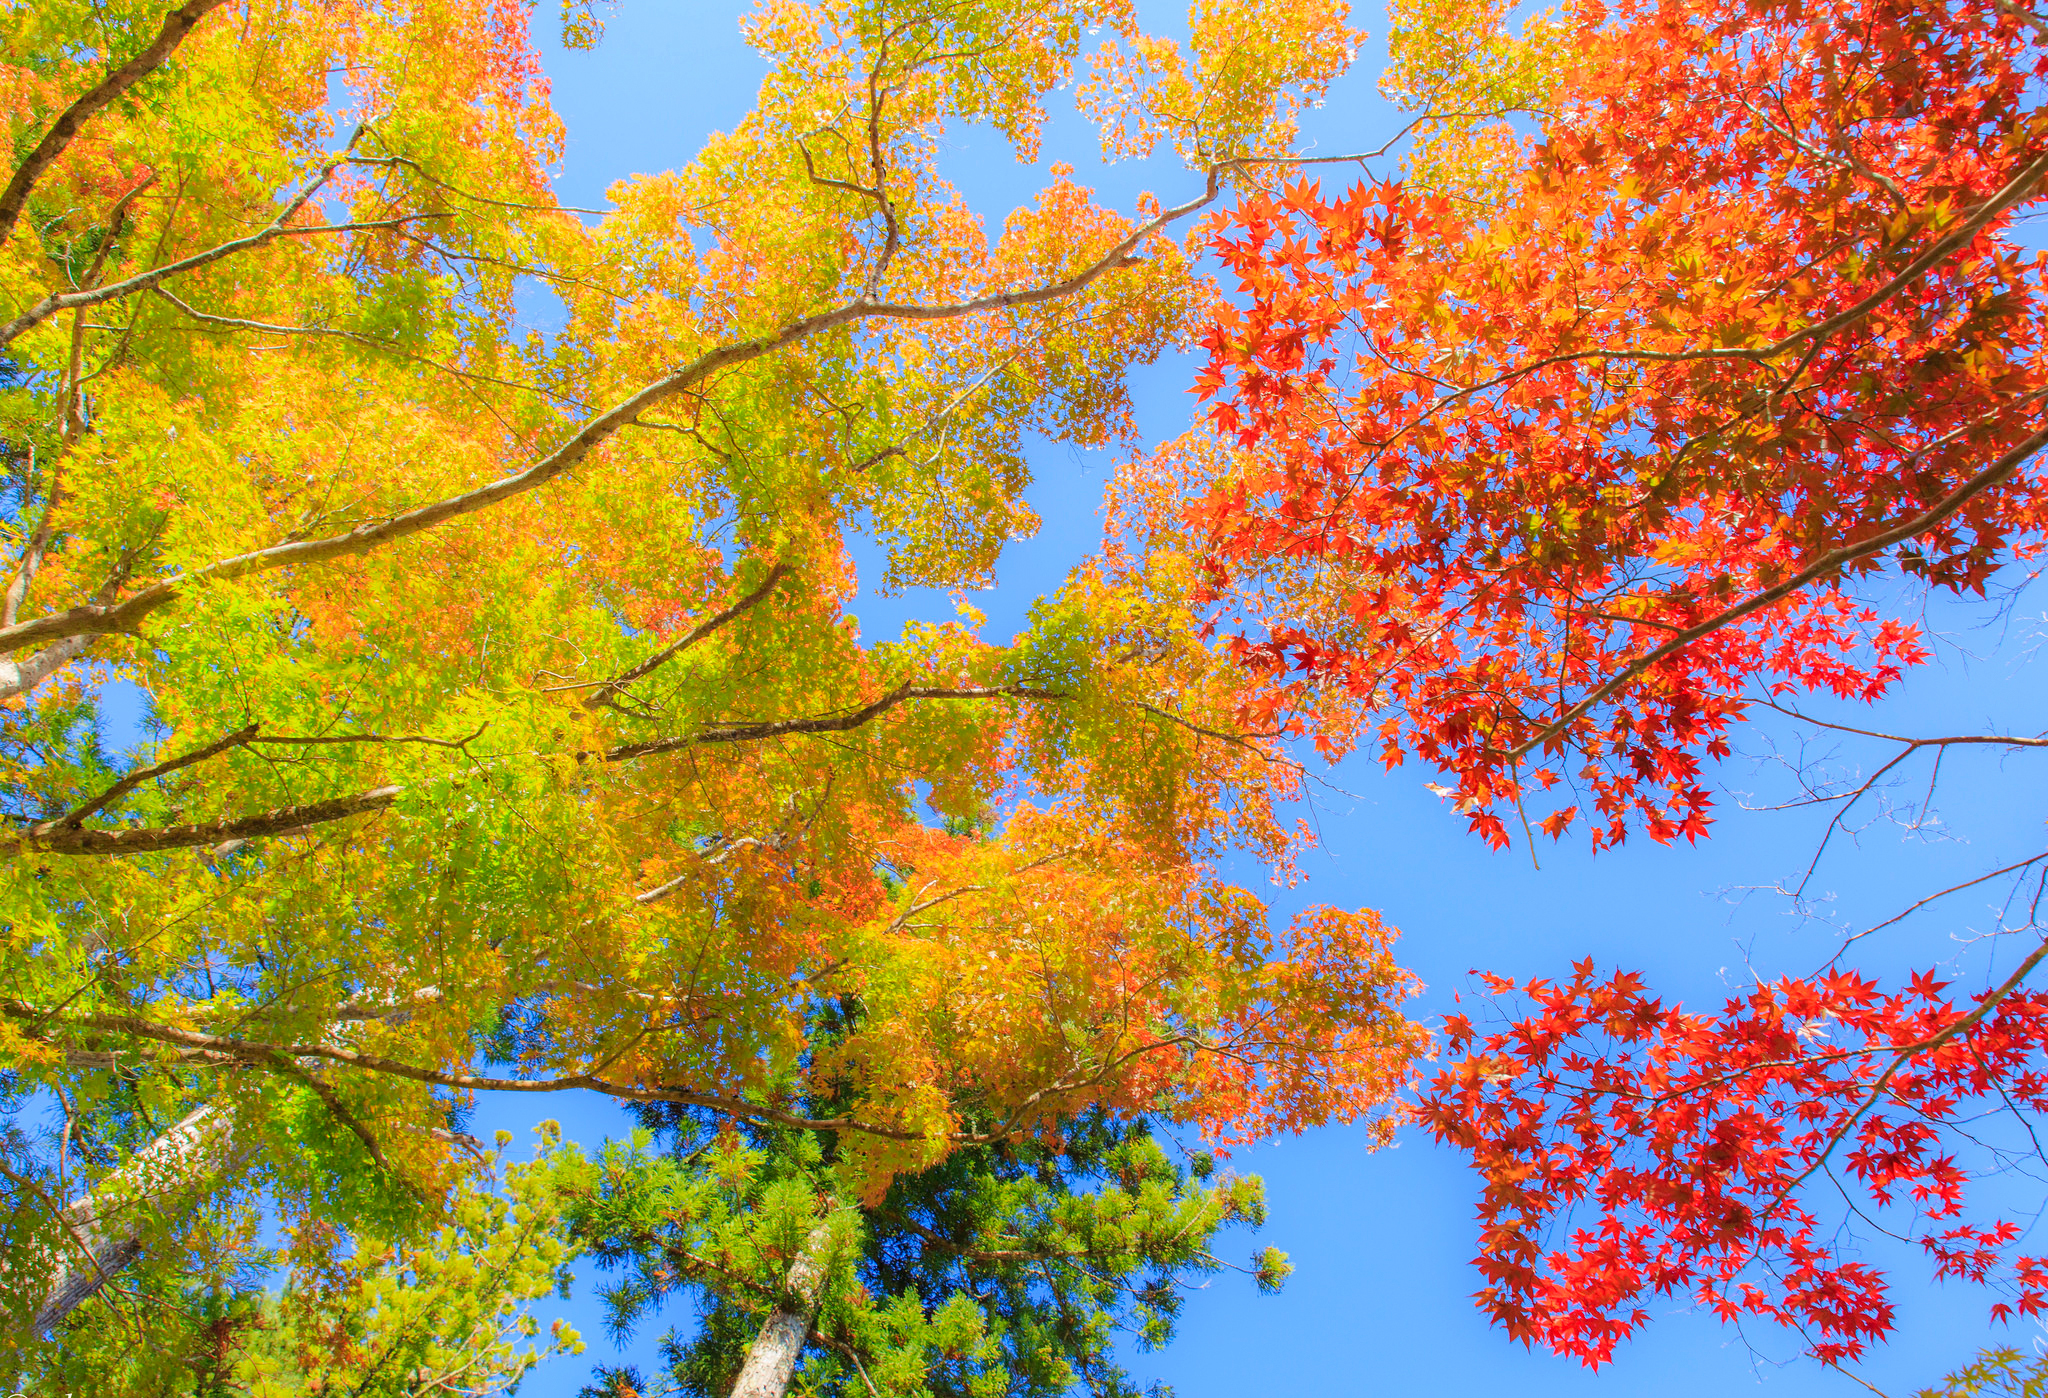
(1554, 476)
(1555, 481)
(1687, 1144)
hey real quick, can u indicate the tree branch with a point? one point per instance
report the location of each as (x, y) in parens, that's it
(1828, 563)
(121, 788)
(61, 837)
(336, 1108)
(369, 341)
(607, 688)
(177, 24)
(839, 723)
(148, 281)
(1907, 1055)
(266, 1054)
(154, 839)
(1990, 739)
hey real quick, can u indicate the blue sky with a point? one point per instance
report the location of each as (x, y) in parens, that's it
(1379, 1302)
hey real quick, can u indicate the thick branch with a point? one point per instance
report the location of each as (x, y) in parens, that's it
(23, 676)
(151, 839)
(62, 837)
(177, 24)
(43, 1021)
(126, 616)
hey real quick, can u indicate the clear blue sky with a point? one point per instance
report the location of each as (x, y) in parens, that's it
(1379, 1302)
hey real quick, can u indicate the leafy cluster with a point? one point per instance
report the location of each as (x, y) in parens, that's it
(1560, 480)
(448, 1308)
(1703, 1145)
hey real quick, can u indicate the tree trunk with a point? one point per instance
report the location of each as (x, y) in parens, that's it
(773, 1358)
(102, 1235)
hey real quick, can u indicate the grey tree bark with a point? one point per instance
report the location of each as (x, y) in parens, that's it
(103, 1232)
(772, 1360)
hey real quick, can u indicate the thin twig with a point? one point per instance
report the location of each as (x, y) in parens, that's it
(607, 688)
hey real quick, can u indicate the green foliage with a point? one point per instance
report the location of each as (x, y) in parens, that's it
(2000, 1372)
(369, 1318)
(1004, 1270)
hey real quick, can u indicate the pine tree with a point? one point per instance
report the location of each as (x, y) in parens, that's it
(1008, 1268)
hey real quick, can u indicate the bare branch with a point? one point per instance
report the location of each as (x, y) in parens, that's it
(839, 723)
(1934, 897)
(1991, 739)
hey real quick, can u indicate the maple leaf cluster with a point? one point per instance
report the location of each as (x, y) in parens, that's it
(1694, 1138)
(1698, 345)
(1559, 482)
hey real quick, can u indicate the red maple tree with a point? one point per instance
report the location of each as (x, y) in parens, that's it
(1555, 478)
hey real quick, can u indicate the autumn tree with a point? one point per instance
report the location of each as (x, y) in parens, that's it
(507, 727)
(1691, 351)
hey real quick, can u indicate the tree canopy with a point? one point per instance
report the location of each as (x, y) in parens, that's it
(508, 725)
(1697, 347)
(507, 728)
(1013, 1268)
